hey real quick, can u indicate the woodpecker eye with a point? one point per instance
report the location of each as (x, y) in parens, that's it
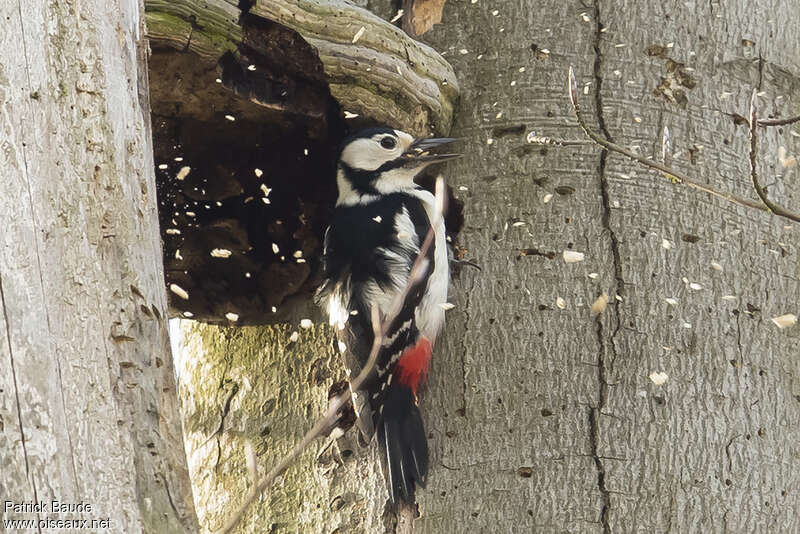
(388, 143)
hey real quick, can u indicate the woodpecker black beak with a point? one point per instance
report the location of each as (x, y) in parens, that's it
(419, 150)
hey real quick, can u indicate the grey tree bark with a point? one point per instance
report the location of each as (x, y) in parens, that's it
(88, 411)
(677, 409)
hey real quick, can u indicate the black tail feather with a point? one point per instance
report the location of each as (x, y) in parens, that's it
(401, 436)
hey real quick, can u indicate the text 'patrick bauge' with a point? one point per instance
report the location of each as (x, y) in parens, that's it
(42, 507)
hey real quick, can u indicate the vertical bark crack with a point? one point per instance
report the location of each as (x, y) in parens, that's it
(606, 346)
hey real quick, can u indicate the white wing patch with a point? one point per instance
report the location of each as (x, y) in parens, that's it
(338, 302)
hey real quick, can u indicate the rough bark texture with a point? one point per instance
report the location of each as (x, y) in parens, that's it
(254, 384)
(88, 408)
(541, 417)
(563, 430)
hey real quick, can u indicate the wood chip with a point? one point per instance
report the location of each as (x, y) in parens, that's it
(785, 320)
(221, 253)
(178, 290)
(658, 378)
(600, 303)
(572, 256)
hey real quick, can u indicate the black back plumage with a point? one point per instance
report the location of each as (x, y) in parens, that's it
(354, 245)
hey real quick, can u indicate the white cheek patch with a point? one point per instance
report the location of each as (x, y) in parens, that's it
(368, 154)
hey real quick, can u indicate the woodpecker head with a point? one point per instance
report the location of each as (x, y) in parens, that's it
(382, 161)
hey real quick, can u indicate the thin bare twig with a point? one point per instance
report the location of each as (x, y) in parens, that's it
(764, 123)
(670, 173)
(328, 421)
(760, 190)
(778, 122)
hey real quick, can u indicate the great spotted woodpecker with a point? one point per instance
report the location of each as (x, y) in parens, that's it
(379, 224)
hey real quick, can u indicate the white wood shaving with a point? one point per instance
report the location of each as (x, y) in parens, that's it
(600, 303)
(573, 256)
(785, 320)
(658, 378)
(221, 253)
(178, 290)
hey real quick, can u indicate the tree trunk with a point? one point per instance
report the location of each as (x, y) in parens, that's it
(87, 393)
(562, 428)
(656, 415)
